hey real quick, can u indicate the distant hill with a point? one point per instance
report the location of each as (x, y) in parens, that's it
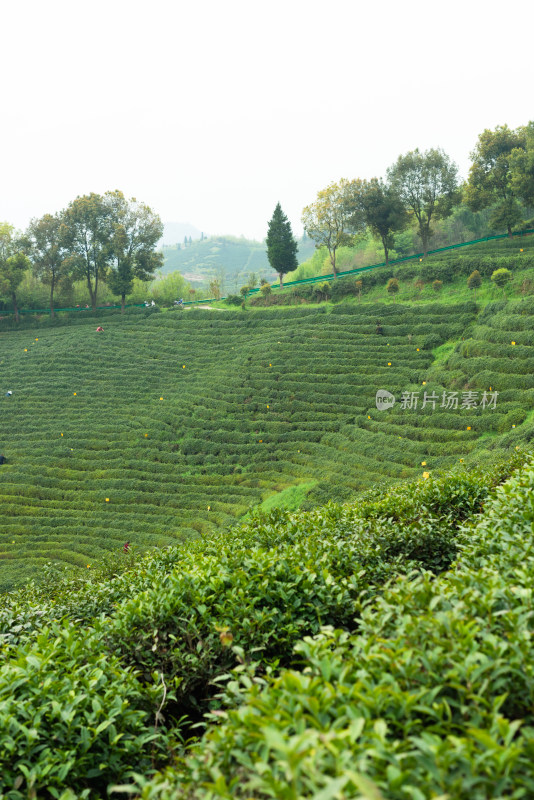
(174, 232)
(228, 258)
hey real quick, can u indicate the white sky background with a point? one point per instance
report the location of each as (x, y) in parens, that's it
(212, 112)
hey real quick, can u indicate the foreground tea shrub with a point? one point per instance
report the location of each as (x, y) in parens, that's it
(72, 716)
(432, 698)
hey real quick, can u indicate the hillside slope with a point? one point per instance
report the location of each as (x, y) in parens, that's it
(177, 424)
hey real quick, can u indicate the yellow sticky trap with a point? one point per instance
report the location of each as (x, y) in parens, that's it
(74, 394)
(183, 366)
(469, 427)
(146, 434)
(426, 475)
(423, 463)
(107, 499)
(513, 342)
(61, 434)
(25, 349)
(161, 398)
(424, 383)
(389, 363)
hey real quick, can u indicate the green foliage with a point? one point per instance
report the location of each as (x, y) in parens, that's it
(383, 211)
(136, 230)
(501, 278)
(490, 176)
(331, 221)
(427, 185)
(281, 246)
(171, 287)
(72, 716)
(522, 167)
(392, 287)
(430, 697)
(474, 281)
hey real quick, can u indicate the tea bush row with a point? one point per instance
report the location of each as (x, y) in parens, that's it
(432, 697)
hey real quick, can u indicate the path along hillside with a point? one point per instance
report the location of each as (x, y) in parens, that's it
(171, 426)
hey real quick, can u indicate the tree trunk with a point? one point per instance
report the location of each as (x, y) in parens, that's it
(386, 251)
(52, 300)
(123, 300)
(510, 232)
(281, 279)
(333, 262)
(92, 294)
(15, 309)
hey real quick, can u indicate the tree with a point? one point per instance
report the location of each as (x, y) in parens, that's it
(501, 278)
(13, 263)
(170, 288)
(135, 232)
(88, 234)
(332, 221)
(474, 282)
(47, 251)
(281, 245)
(214, 288)
(427, 184)
(490, 176)
(522, 167)
(392, 287)
(383, 210)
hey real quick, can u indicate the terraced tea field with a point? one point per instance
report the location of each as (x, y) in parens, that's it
(166, 427)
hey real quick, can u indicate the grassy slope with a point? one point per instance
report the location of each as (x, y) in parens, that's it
(212, 448)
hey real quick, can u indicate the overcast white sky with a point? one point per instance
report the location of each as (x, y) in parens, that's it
(212, 112)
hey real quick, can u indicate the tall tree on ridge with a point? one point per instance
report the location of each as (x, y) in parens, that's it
(281, 245)
(382, 209)
(428, 186)
(88, 233)
(13, 263)
(136, 230)
(332, 221)
(490, 177)
(46, 247)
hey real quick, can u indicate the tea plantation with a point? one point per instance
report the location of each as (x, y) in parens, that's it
(338, 653)
(171, 426)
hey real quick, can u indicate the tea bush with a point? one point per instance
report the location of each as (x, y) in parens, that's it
(431, 698)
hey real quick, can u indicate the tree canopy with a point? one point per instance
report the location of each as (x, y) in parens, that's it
(490, 181)
(383, 210)
(47, 251)
(281, 245)
(522, 167)
(334, 220)
(427, 183)
(135, 232)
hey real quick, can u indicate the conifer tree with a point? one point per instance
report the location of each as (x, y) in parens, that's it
(281, 246)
